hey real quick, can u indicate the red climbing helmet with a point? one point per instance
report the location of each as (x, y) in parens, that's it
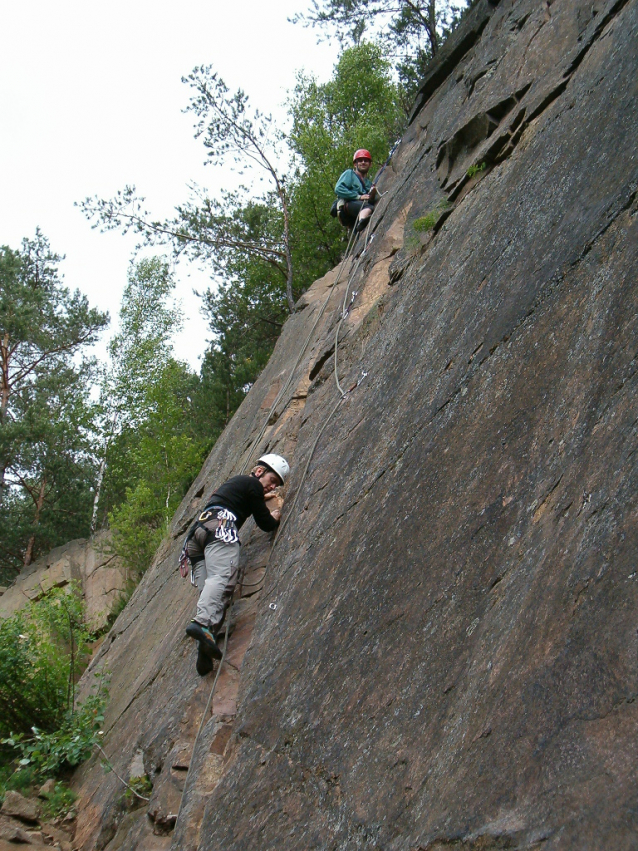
(361, 154)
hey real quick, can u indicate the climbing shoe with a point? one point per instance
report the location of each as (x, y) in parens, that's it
(206, 639)
(204, 664)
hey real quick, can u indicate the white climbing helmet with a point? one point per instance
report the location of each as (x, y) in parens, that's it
(276, 463)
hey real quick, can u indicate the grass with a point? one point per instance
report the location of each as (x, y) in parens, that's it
(427, 222)
(476, 169)
(59, 802)
(142, 785)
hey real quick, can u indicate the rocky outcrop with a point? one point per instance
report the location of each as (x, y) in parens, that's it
(21, 823)
(91, 564)
(441, 653)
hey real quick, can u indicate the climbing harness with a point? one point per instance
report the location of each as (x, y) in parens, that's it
(216, 520)
(249, 454)
(226, 529)
(339, 205)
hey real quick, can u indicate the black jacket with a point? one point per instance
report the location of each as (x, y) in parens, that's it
(244, 495)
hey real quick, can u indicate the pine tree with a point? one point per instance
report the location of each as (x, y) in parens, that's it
(46, 467)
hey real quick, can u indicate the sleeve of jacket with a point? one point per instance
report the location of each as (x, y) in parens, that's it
(346, 188)
(263, 517)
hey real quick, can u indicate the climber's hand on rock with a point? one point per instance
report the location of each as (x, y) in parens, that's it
(271, 495)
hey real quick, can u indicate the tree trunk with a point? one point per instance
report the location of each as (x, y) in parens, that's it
(4, 405)
(434, 40)
(284, 207)
(98, 491)
(28, 556)
(100, 475)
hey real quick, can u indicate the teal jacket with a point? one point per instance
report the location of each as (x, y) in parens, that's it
(349, 186)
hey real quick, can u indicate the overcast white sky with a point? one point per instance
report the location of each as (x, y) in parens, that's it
(91, 99)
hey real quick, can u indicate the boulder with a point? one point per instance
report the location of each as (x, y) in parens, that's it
(12, 830)
(16, 805)
(47, 789)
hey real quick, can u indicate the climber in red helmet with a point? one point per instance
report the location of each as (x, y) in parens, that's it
(356, 195)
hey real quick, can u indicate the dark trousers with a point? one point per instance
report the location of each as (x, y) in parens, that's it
(351, 209)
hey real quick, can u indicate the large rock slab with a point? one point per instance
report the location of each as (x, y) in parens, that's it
(443, 653)
(91, 564)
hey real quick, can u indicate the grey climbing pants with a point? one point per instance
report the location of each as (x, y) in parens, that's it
(216, 578)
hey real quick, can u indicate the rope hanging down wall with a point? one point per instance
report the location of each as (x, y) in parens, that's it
(249, 455)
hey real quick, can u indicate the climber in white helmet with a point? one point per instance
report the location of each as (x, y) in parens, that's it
(212, 547)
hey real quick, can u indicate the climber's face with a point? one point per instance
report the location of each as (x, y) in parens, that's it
(269, 480)
(362, 166)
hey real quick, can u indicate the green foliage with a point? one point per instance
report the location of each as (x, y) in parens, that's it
(166, 455)
(42, 647)
(248, 308)
(142, 785)
(154, 444)
(360, 106)
(22, 780)
(476, 169)
(120, 604)
(218, 230)
(46, 415)
(149, 318)
(425, 223)
(59, 802)
(44, 755)
(411, 30)
(139, 355)
(252, 245)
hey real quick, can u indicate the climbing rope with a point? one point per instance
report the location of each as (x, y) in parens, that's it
(202, 724)
(345, 309)
(302, 352)
(353, 235)
(387, 162)
(244, 467)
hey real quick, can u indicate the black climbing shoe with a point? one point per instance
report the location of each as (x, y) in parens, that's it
(206, 639)
(204, 664)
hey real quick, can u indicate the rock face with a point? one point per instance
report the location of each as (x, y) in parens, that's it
(17, 805)
(90, 563)
(442, 653)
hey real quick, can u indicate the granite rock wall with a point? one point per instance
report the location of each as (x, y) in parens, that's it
(90, 564)
(439, 650)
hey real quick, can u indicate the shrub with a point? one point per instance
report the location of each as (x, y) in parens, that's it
(476, 169)
(427, 222)
(59, 802)
(140, 785)
(43, 755)
(41, 648)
